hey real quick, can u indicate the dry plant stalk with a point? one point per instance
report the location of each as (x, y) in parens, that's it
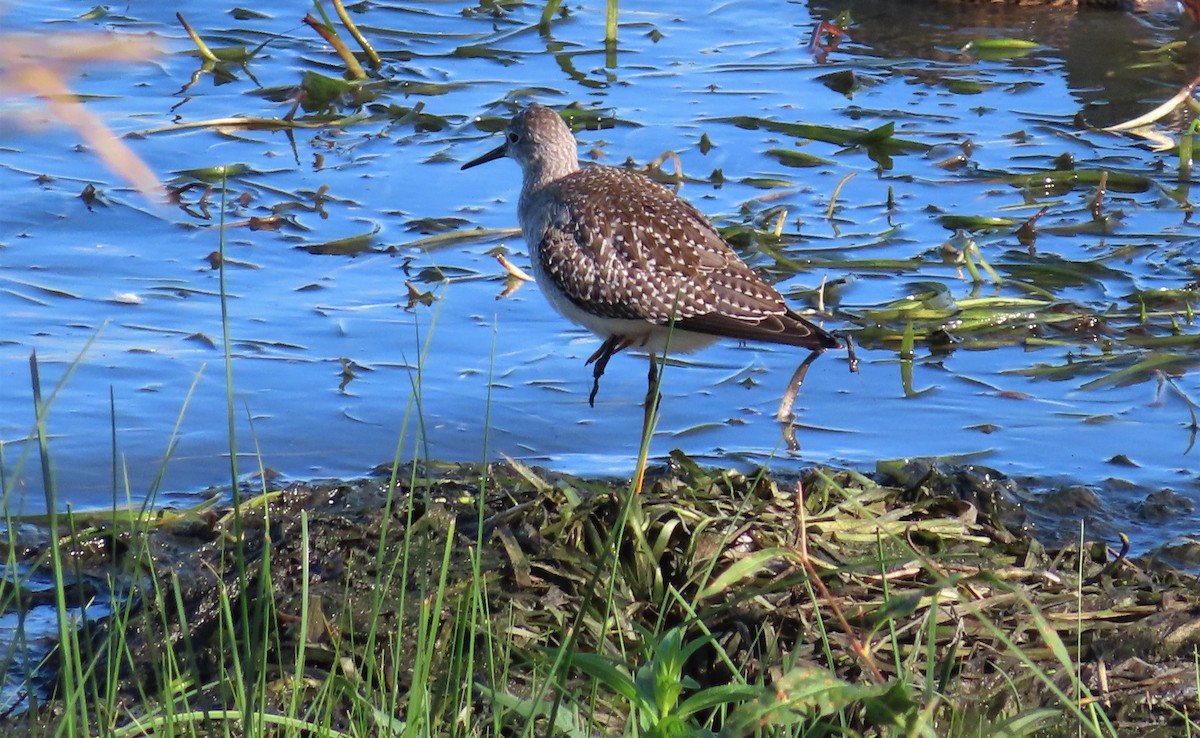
(512, 269)
(353, 68)
(372, 55)
(35, 67)
(856, 646)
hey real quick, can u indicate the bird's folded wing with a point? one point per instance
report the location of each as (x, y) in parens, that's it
(640, 252)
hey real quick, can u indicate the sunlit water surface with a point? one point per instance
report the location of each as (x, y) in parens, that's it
(120, 302)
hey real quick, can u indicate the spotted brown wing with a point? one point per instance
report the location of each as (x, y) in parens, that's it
(621, 246)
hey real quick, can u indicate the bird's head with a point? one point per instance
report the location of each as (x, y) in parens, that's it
(537, 138)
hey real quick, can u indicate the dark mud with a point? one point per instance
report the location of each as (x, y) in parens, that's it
(927, 554)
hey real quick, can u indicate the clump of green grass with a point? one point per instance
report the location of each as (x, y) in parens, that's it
(441, 601)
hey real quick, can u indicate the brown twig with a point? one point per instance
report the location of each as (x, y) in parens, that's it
(205, 52)
(352, 66)
(372, 55)
(1160, 111)
(856, 645)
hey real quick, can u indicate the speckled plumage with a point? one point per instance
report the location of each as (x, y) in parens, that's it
(631, 261)
(620, 246)
(622, 255)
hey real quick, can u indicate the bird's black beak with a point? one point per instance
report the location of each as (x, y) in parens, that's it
(496, 153)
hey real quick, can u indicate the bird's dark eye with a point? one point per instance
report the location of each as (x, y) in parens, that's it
(513, 137)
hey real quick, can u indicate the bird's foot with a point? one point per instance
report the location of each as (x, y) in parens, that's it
(850, 353)
(595, 389)
(611, 345)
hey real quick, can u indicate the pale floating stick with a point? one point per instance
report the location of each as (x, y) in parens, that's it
(512, 269)
(789, 397)
(661, 159)
(784, 414)
(836, 192)
(1159, 112)
(779, 226)
(511, 285)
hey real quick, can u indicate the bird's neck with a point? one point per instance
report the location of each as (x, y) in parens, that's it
(541, 173)
(539, 177)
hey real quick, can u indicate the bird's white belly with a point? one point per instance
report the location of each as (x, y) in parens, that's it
(642, 334)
